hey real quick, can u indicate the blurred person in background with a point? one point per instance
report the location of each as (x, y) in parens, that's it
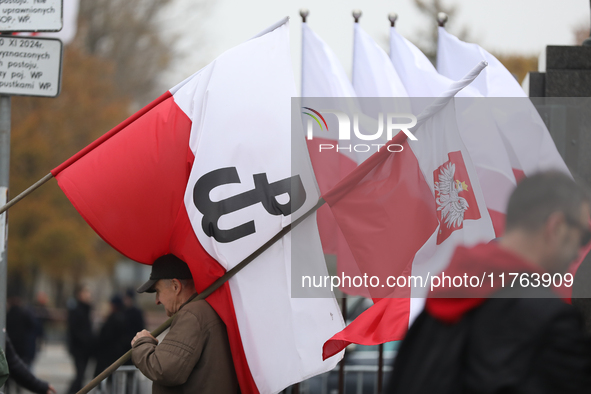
(507, 338)
(19, 373)
(81, 340)
(112, 340)
(42, 317)
(21, 325)
(134, 318)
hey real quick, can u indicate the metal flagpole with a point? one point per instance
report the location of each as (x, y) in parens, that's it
(206, 293)
(342, 363)
(380, 367)
(304, 14)
(24, 194)
(4, 183)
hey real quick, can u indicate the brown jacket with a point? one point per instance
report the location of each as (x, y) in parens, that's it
(194, 357)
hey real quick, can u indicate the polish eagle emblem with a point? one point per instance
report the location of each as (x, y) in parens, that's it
(451, 205)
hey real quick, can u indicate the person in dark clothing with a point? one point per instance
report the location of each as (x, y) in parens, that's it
(81, 341)
(502, 338)
(134, 317)
(20, 373)
(112, 341)
(21, 325)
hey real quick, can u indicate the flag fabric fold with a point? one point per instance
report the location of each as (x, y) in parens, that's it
(373, 73)
(323, 76)
(394, 212)
(476, 123)
(206, 172)
(526, 138)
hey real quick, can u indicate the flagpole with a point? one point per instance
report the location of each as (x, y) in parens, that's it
(356, 15)
(342, 363)
(204, 294)
(442, 19)
(380, 366)
(304, 14)
(24, 194)
(392, 17)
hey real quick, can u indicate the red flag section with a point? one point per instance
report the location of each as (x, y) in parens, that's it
(385, 199)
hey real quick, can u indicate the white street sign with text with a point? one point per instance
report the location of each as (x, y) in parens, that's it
(30, 66)
(30, 15)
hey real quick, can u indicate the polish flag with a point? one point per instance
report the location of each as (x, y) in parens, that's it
(476, 123)
(206, 172)
(403, 214)
(527, 140)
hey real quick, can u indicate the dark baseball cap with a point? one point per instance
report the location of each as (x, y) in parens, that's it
(166, 267)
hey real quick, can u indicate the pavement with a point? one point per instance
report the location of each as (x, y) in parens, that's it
(54, 365)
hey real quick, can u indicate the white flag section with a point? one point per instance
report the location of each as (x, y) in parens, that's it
(418, 75)
(322, 73)
(323, 76)
(476, 123)
(373, 73)
(527, 140)
(240, 107)
(447, 167)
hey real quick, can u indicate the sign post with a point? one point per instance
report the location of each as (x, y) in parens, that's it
(28, 67)
(4, 172)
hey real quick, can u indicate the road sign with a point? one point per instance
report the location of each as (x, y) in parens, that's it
(30, 15)
(30, 66)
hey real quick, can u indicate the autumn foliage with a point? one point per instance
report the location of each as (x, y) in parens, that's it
(46, 234)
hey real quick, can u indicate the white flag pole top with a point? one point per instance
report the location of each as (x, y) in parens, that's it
(455, 87)
(269, 29)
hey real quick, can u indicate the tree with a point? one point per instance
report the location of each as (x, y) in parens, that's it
(519, 65)
(46, 234)
(113, 66)
(136, 35)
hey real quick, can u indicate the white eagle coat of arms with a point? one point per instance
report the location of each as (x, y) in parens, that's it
(451, 205)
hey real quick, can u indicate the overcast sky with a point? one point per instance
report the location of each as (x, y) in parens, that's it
(506, 26)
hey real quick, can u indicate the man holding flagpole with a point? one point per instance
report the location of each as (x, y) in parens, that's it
(195, 355)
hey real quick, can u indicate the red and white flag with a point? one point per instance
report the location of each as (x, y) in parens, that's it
(208, 172)
(527, 140)
(476, 124)
(404, 213)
